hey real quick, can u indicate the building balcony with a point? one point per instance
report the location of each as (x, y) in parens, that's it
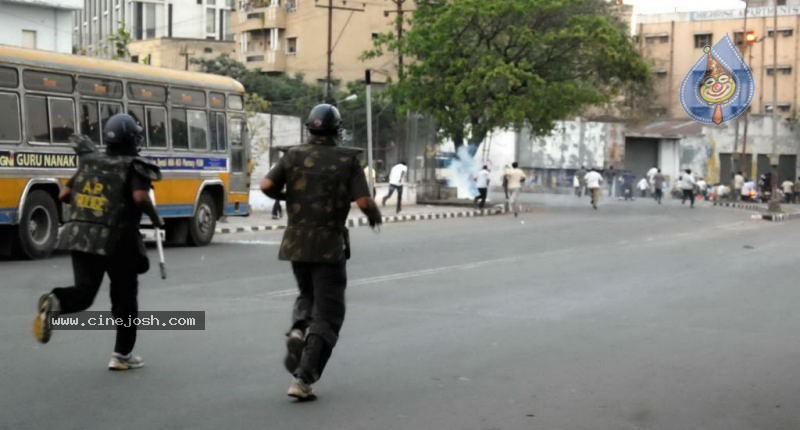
(256, 18)
(267, 61)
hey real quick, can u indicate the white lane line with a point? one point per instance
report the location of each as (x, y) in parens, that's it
(254, 242)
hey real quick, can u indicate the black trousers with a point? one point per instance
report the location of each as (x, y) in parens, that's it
(319, 310)
(688, 194)
(122, 268)
(399, 189)
(277, 211)
(482, 197)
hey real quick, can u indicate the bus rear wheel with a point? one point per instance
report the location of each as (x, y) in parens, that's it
(38, 226)
(204, 222)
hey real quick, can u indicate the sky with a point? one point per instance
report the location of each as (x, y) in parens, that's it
(663, 6)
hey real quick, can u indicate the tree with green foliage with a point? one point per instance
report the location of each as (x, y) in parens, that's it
(120, 40)
(477, 65)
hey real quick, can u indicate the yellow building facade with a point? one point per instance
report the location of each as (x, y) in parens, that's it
(672, 43)
(291, 36)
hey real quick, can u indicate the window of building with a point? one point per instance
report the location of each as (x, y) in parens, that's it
(210, 15)
(784, 107)
(211, 2)
(660, 73)
(29, 39)
(783, 70)
(291, 5)
(10, 129)
(180, 136)
(702, 40)
(656, 38)
(156, 127)
(785, 32)
(8, 77)
(781, 2)
(291, 45)
(149, 21)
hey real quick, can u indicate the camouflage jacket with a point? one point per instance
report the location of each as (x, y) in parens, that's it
(321, 181)
(102, 207)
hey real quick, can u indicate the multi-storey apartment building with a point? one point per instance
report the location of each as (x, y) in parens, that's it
(674, 42)
(166, 25)
(292, 36)
(43, 24)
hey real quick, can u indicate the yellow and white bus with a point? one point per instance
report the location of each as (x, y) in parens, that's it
(195, 130)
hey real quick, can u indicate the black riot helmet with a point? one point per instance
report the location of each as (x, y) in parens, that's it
(324, 119)
(122, 135)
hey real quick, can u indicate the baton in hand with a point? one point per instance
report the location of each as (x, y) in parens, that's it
(161, 265)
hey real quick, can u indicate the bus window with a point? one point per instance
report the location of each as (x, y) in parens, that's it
(147, 93)
(217, 101)
(217, 129)
(90, 121)
(62, 119)
(8, 77)
(99, 87)
(46, 81)
(107, 110)
(137, 112)
(9, 120)
(179, 96)
(180, 136)
(36, 115)
(156, 127)
(237, 149)
(235, 102)
(198, 130)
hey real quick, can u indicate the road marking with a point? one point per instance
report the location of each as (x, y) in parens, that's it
(254, 242)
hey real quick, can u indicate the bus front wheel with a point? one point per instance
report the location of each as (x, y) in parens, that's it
(38, 225)
(204, 222)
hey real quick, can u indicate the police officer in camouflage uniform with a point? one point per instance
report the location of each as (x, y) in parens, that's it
(321, 180)
(107, 197)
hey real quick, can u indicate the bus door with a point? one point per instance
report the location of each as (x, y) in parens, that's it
(240, 175)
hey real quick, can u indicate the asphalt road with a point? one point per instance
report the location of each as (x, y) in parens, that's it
(635, 316)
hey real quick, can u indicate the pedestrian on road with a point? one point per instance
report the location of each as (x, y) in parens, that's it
(643, 185)
(593, 180)
(277, 211)
(108, 195)
(797, 190)
(788, 190)
(687, 184)
(580, 174)
(482, 181)
(516, 177)
(738, 184)
(506, 168)
(321, 180)
(627, 179)
(658, 185)
(577, 185)
(397, 177)
(702, 187)
(611, 177)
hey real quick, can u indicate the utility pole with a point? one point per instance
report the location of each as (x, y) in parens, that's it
(399, 32)
(184, 52)
(774, 203)
(329, 64)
